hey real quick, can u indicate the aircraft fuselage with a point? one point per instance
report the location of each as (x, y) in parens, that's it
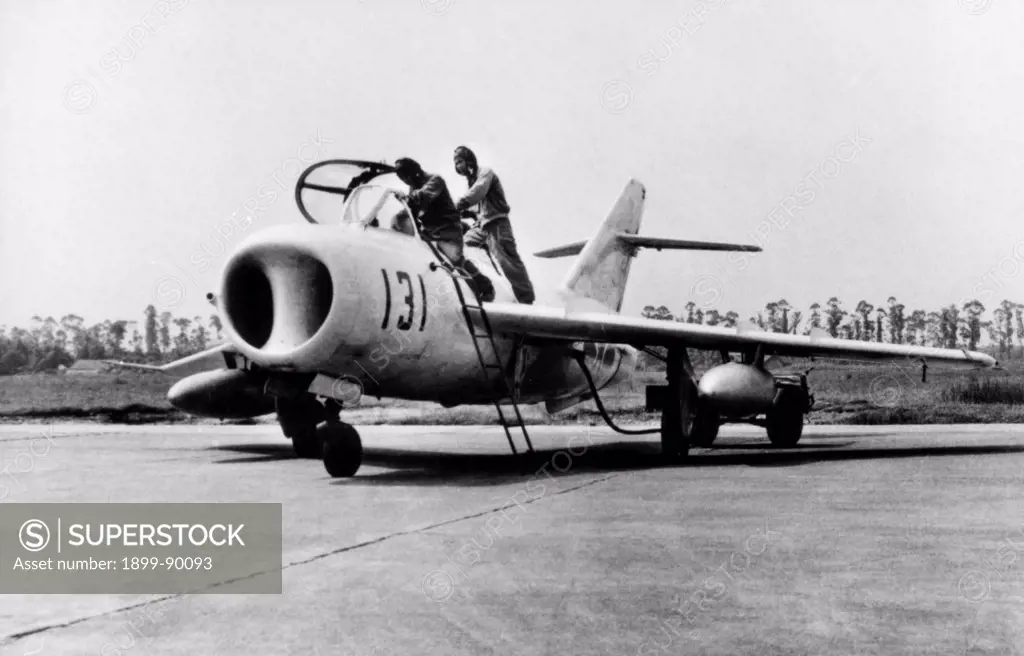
(375, 306)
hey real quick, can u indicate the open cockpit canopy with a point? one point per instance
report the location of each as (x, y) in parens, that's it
(353, 192)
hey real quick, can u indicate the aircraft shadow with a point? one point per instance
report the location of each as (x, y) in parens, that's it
(761, 445)
(257, 453)
(424, 468)
(416, 467)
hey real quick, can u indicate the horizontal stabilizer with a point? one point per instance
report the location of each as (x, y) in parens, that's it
(658, 243)
(562, 251)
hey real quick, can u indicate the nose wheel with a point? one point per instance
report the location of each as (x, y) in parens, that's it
(342, 448)
(298, 419)
(306, 442)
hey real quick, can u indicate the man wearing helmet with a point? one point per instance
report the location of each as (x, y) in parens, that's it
(493, 228)
(432, 205)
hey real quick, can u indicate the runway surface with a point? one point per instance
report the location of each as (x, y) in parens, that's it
(866, 540)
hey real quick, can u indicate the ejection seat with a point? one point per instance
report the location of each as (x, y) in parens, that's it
(376, 206)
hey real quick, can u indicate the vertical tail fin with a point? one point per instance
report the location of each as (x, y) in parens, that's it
(601, 270)
(597, 279)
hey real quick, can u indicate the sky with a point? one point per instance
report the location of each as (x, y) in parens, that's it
(871, 147)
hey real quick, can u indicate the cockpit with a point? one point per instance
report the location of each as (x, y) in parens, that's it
(347, 196)
(375, 206)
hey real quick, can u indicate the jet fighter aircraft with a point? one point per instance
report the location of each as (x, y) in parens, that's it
(356, 303)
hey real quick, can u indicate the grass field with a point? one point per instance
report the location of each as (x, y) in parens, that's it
(124, 396)
(844, 394)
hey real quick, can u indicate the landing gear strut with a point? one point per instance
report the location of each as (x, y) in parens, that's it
(306, 442)
(316, 432)
(298, 419)
(678, 417)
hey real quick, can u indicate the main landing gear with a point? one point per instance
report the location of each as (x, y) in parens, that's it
(684, 422)
(316, 432)
(705, 428)
(784, 421)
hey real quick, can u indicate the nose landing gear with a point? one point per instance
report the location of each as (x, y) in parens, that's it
(316, 432)
(298, 419)
(342, 448)
(306, 442)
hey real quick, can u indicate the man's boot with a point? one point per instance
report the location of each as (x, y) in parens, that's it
(481, 284)
(484, 288)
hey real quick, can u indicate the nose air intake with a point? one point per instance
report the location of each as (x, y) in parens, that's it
(277, 299)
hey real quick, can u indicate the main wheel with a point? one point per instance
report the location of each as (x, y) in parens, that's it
(342, 449)
(678, 420)
(785, 420)
(705, 428)
(307, 442)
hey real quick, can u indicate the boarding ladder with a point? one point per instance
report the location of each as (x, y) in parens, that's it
(511, 390)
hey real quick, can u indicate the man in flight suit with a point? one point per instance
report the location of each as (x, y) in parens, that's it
(432, 205)
(493, 227)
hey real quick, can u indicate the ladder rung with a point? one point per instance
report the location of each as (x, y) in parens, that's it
(510, 389)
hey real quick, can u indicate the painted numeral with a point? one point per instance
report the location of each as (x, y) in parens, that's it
(404, 321)
(387, 299)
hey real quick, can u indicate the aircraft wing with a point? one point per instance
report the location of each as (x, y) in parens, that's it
(215, 357)
(555, 323)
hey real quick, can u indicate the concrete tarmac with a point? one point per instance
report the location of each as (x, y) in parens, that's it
(865, 540)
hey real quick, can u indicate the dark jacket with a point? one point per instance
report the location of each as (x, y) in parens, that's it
(435, 210)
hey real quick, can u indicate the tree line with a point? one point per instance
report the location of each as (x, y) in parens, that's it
(951, 326)
(48, 343)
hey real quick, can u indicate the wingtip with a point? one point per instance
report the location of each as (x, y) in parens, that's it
(132, 365)
(745, 327)
(983, 359)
